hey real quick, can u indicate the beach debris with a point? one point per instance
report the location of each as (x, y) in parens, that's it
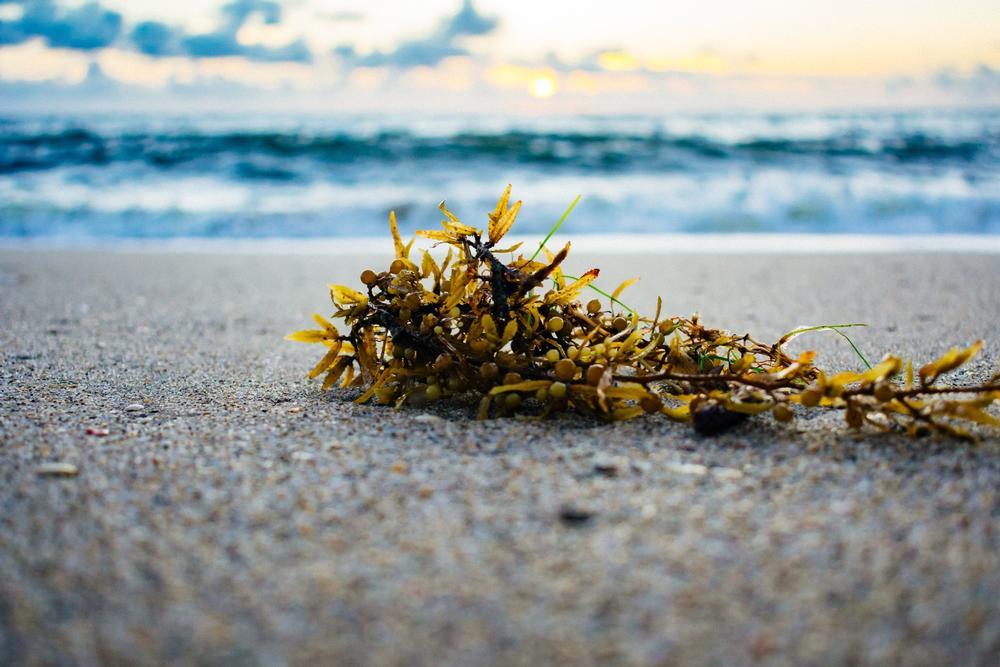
(57, 469)
(710, 416)
(727, 473)
(97, 431)
(610, 466)
(575, 515)
(695, 469)
(523, 337)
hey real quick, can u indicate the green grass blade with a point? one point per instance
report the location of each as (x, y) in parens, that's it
(556, 227)
(853, 347)
(835, 328)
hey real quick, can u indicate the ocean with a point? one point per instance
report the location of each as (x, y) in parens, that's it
(117, 177)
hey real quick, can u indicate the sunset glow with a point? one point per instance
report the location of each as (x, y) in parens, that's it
(633, 55)
(543, 86)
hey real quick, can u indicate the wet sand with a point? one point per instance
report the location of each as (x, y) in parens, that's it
(234, 514)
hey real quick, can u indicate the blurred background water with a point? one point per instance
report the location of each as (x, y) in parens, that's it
(158, 176)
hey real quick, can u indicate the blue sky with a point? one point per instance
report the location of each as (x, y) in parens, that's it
(453, 55)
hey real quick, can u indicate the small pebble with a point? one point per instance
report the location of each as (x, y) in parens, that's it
(303, 456)
(610, 466)
(296, 408)
(727, 473)
(399, 467)
(99, 432)
(572, 515)
(135, 407)
(687, 468)
(425, 491)
(57, 469)
(430, 419)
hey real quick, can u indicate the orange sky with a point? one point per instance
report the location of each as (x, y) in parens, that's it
(552, 50)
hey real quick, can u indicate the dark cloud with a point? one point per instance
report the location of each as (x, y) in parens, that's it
(212, 45)
(11, 33)
(159, 39)
(222, 42)
(431, 50)
(468, 21)
(412, 54)
(91, 26)
(86, 28)
(239, 12)
(156, 39)
(294, 52)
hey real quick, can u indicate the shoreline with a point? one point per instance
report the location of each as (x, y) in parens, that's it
(687, 244)
(225, 510)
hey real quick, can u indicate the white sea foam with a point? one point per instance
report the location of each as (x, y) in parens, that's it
(152, 177)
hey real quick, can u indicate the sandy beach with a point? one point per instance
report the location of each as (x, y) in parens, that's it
(226, 511)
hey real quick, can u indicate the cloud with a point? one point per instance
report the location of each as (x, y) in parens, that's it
(412, 54)
(469, 22)
(156, 39)
(239, 11)
(159, 39)
(432, 49)
(85, 28)
(90, 27)
(345, 51)
(983, 79)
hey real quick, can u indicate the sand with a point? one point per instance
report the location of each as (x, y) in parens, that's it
(234, 514)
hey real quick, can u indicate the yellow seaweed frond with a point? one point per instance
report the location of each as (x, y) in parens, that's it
(309, 336)
(572, 291)
(345, 296)
(625, 284)
(397, 242)
(503, 223)
(951, 360)
(452, 225)
(520, 337)
(324, 364)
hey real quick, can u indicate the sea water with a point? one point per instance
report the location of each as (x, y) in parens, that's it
(86, 178)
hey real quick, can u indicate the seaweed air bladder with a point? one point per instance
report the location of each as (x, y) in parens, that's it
(528, 339)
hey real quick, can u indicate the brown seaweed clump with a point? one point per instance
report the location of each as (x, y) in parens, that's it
(519, 336)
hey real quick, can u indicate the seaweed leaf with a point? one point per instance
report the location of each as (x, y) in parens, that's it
(477, 325)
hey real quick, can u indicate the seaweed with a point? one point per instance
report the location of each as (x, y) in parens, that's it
(519, 336)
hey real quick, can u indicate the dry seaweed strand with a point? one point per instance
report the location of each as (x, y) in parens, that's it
(423, 331)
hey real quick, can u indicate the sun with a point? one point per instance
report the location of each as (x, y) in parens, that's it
(543, 86)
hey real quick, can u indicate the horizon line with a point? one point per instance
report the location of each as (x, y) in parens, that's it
(591, 244)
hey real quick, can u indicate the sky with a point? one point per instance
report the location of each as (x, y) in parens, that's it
(489, 55)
